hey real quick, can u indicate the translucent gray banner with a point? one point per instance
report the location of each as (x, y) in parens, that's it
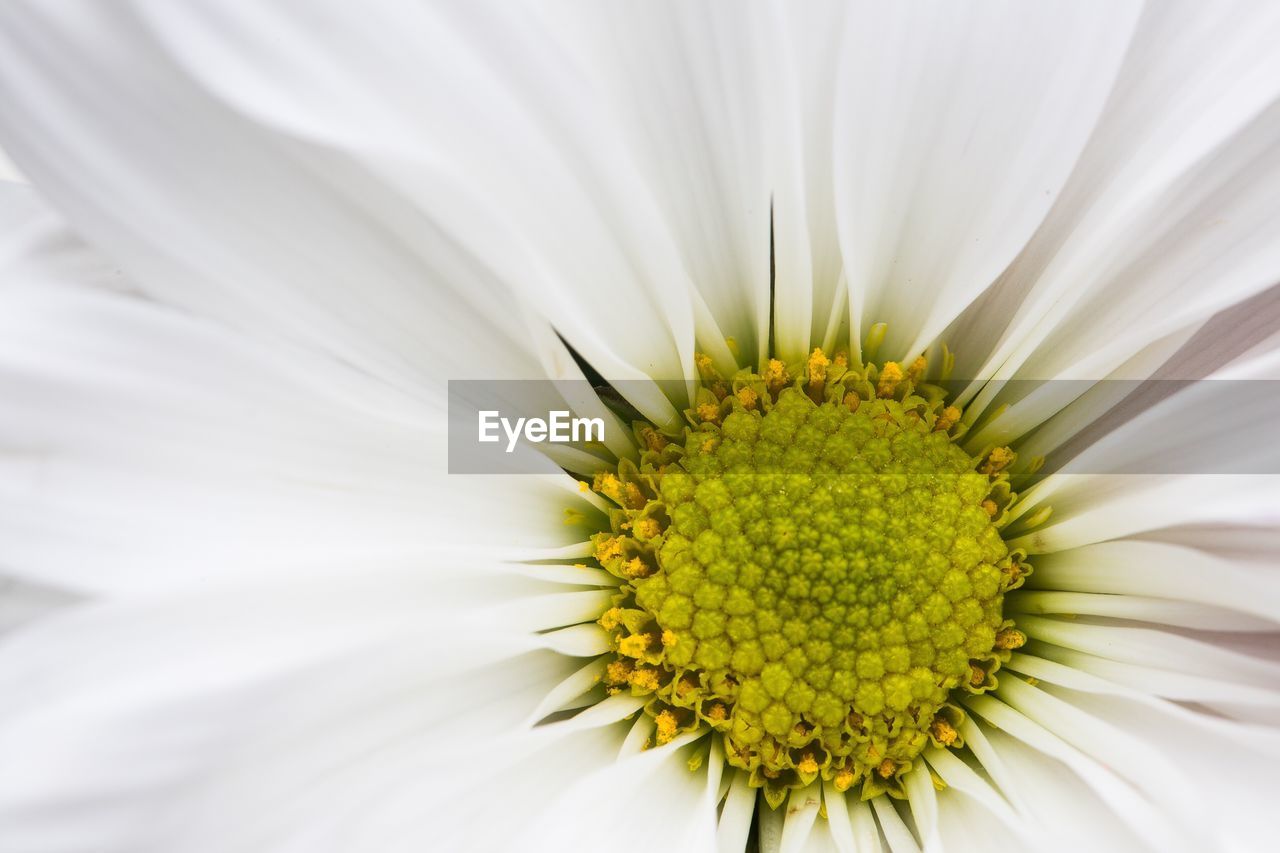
(1127, 427)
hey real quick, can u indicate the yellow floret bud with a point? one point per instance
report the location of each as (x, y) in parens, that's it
(667, 727)
(1010, 638)
(997, 460)
(943, 731)
(633, 646)
(775, 375)
(949, 417)
(890, 376)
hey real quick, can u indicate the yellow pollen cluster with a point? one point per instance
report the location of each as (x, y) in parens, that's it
(810, 569)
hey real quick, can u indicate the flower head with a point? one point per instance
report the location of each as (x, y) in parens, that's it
(848, 285)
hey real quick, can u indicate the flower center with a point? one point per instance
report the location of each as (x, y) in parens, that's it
(810, 570)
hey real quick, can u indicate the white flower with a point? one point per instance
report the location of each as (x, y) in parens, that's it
(249, 610)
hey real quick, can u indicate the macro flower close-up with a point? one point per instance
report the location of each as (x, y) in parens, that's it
(753, 427)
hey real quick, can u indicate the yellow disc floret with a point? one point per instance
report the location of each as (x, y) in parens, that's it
(811, 572)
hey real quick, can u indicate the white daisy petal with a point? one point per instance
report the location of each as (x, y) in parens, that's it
(537, 228)
(1071, 669)
(809, 271)
(1152, 648)
(956, 129)
(966, 826)
(581, 640)
(963, 779)
(1091, 508)
(1150, 769)
(1241, 335)
(1238, 540)
(36, 247)
(1226, 468)
(924, 804)
(979, 744)
(8, 171)
(822, 838)
(134, 431)
(736, 815)
(1201, 744)
(897, 834)
(22, 602)
(109, 735)
(1184, 143)
(769, 823)
(1140, 608)
(648, 801)
(841, 828)
(1060, 413)
(454, 803)
(1173, 436)
(1108, 786)
(802, 811)
(1133, 568)
(1064, 812)
(865, 832)
(562, 696)
(698, 91)
(1240, 701)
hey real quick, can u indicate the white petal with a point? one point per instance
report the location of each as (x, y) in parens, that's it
(150, 725)
(963, 779)
(1150, 647)
(839, 823)
(22, 602)
(822, 838)
(36, 247)
(141, 445)
(810, 292)
(1063, 412)
(896, 832)
(1090, 508)
(1223, 468)
(1240, 701)
(769, 825)
(1133, 250)
(736, 816)
(1245, 334)
(865, 832)
(1063, 811)
(1071, 669)
(1138, 608)
(8, 172)
(1239, 541)
(572, 687)
(1133, 568)
(975, 737)
(469, 803)
(956, 129)
(645, 802)
(458, 209)
(924, 805)
(1200, 745)
(1109, 787)
(698, 92)
(966, 826)
(802, 811)
(578, 640)
(1151, 769)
